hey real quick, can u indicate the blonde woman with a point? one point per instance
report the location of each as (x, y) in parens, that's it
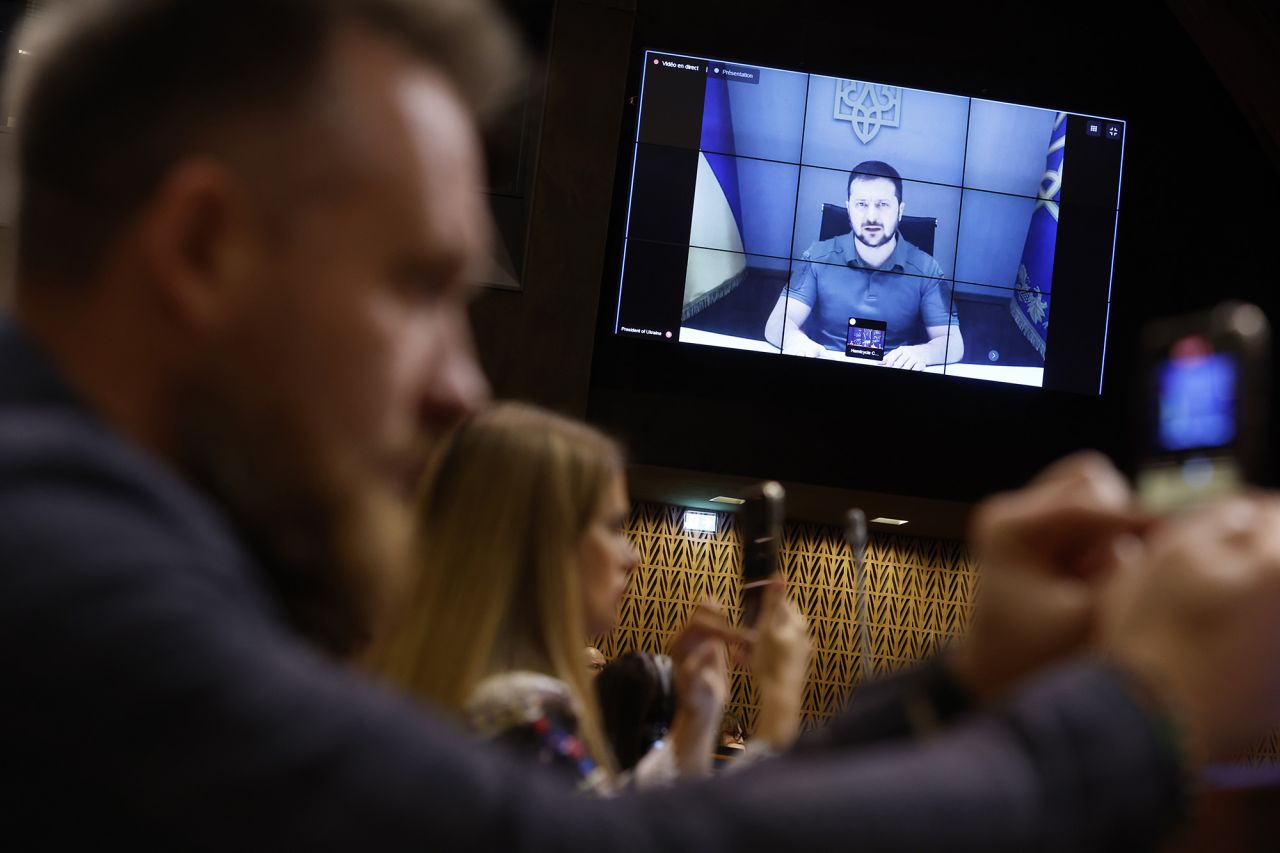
(524, 558)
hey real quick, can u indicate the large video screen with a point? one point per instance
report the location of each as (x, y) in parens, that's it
(870, 224)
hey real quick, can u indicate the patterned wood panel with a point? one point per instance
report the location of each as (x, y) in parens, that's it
(919, 596)
(1266, 750)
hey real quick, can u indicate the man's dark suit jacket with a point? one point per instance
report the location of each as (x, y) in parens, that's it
(152, 694)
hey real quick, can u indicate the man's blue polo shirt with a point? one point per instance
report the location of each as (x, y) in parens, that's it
(908, 293)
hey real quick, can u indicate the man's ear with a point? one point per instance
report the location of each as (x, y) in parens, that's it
(902, 210)
(197, 240)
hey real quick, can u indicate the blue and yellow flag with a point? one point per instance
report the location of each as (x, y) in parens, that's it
(717, 259)
(1032, 290)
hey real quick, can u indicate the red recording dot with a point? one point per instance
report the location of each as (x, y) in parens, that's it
(655, 62)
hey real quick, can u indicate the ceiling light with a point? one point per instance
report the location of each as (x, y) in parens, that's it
(699, 522)
(896, 522)
(721, 499)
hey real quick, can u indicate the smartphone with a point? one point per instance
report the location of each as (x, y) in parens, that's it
(761, 517)
(865, 339)
(1204, 405)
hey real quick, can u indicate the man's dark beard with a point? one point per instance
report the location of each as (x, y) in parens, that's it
(888, 236)
(326, 541)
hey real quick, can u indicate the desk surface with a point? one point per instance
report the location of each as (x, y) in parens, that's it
(993, 373)
(990, 372)
(715, 339)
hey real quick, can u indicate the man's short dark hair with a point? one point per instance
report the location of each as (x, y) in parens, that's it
(115, 92)
(870, 169)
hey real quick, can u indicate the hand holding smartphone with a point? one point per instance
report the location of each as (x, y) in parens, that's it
(761, 517)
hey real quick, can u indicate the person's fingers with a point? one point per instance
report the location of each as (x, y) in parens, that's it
(1075, 501)
(705, 670)
(700, 656)
(1267, 529)
(1111, 554)
(1091, 476)
(1230, 521)
(1086, 479)
(712, 604)
(793, 616)
(702, 627)
(1123, 581)
(1081, 464)
(706, 620)
(772, 591)
(1073, 521)
(688, 641)
(708, 613)
(1197, 616)
(1081, 480)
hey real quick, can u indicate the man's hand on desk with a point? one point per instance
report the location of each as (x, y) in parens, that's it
(906, 358)
(799, 344)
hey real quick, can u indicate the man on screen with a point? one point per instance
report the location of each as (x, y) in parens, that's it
(870, 273)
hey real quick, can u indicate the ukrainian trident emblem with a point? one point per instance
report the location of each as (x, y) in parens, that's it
(868, 107)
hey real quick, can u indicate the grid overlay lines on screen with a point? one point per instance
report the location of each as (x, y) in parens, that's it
(951, 296)
(939, 194)
(791, 263)
(905, 179)
(791, 258)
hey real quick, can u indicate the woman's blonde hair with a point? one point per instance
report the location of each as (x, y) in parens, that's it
(502, 512)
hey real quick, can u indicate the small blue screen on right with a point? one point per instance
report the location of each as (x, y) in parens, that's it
(1197, 402)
